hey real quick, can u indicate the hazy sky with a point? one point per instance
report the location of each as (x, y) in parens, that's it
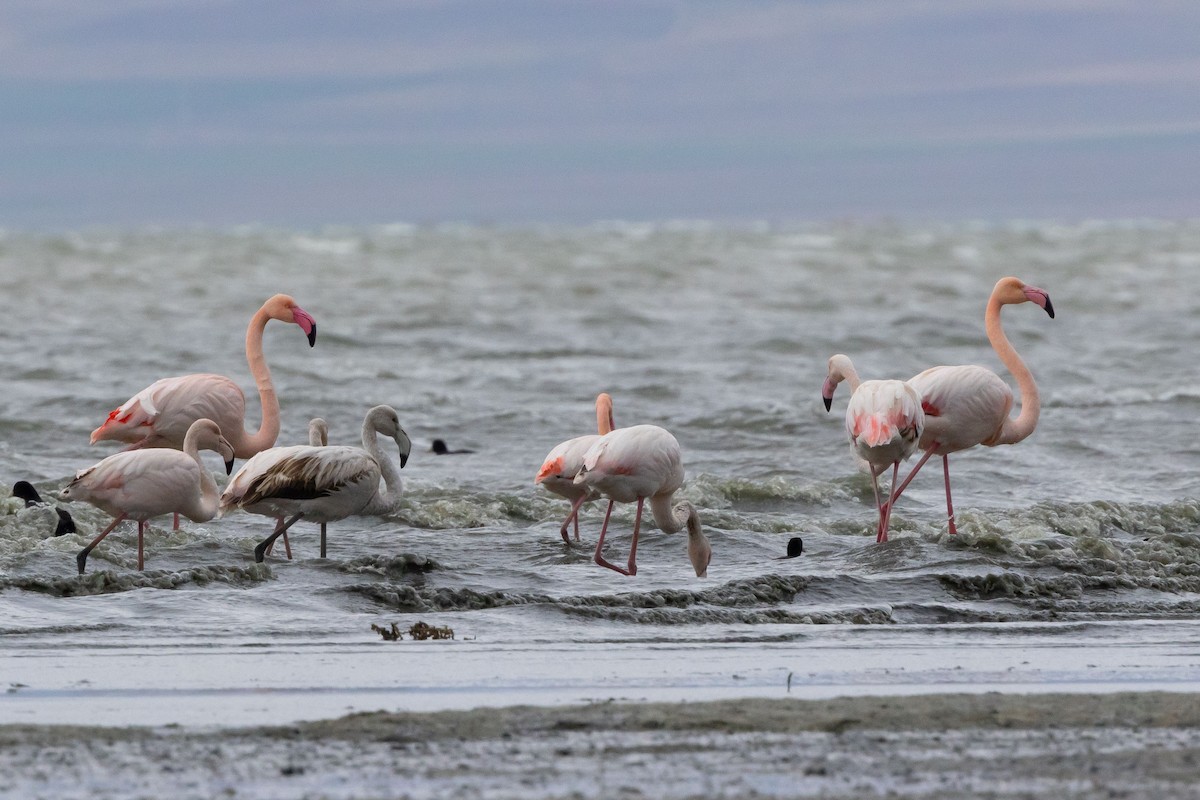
(295, 112)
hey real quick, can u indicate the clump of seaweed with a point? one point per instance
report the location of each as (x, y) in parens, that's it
(388, 634)
(420, 631)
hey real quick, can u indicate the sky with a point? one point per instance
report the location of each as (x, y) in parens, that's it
(304, 113)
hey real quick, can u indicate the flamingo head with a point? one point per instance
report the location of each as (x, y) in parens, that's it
(385, 420)
(1014, 290)
(839, 369)
(284, 308)
(698, 548)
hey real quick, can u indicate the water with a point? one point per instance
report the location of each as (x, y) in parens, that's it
(1077, 564)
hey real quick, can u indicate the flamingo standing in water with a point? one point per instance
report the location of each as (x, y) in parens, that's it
(969, 405)
(161, 414)
(884, 420)
(563, 463)
(143, 484)
(630, 465)
(321, 484)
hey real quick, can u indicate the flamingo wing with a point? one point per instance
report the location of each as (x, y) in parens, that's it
(141, 484)
(885, 415)
(328, 482)
(639, 461)
(964, 406)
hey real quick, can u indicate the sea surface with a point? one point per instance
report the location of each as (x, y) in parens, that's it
(1076, 566)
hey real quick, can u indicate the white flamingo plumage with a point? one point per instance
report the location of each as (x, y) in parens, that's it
(563, 463)
(321, 484)
(143, 484)
(884, 421)
(969, 405)
(631, 465)
(161, 414)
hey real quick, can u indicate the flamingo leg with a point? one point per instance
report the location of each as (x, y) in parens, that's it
(81, 559)
(949, 504)
(287, 546)
(280, 529)
(880, 531)
(600, 544)
(141, 549)
(896, 492)
(289, 549)
(637, 524)
(574, 515)
(885, 511)
(175, 523)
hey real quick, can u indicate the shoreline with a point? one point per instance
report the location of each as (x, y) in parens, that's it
(1054, 745)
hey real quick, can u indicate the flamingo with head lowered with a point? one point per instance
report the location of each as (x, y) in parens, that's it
(969, 405)
(321, 484)
(884, 420)
(631, 465)
(143, 484)
(563, 463)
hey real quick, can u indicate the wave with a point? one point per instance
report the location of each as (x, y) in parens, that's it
(109, 582)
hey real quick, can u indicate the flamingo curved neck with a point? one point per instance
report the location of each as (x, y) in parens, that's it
(1014, 429)
(248, 444)
(387, 498)
(673, 519)
(210, 495)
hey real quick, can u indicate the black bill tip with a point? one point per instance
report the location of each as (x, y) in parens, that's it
(229, 467)
(312, 336)
(1049, 308)
(828, 402)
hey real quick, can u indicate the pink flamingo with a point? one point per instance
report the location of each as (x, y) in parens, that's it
(969, 405)
(632, 464)
(143, 484)
(884, 420)
(161, 414)
(563, 463)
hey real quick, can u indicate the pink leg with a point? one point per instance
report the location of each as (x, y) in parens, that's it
(637, 525)
(81, 559)
(949, 504)
(175, 524)
(287, 546)
(885, 511)
(880, 532)
(141, 550)
(289, 549)
(600, 544)
(574, 515)
(896, 492)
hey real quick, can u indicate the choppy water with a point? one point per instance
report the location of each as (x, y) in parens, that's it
(1078, 559)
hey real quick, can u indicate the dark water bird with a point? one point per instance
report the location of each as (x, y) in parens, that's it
(24, 490)
(440, 448)
(795, 547)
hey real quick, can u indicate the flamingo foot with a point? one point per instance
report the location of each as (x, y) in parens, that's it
(81, 559)
(631, 570)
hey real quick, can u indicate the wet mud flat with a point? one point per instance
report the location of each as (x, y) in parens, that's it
(1121, 745)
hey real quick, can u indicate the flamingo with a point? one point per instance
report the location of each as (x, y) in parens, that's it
(161, 414)
(321, 484)
(969, 405)
(563, 463)
(884, 420)
(143, 484)
(64, 523)
(632, 464)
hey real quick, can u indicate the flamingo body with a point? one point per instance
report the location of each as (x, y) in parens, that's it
(143, 484)
(967, 405)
